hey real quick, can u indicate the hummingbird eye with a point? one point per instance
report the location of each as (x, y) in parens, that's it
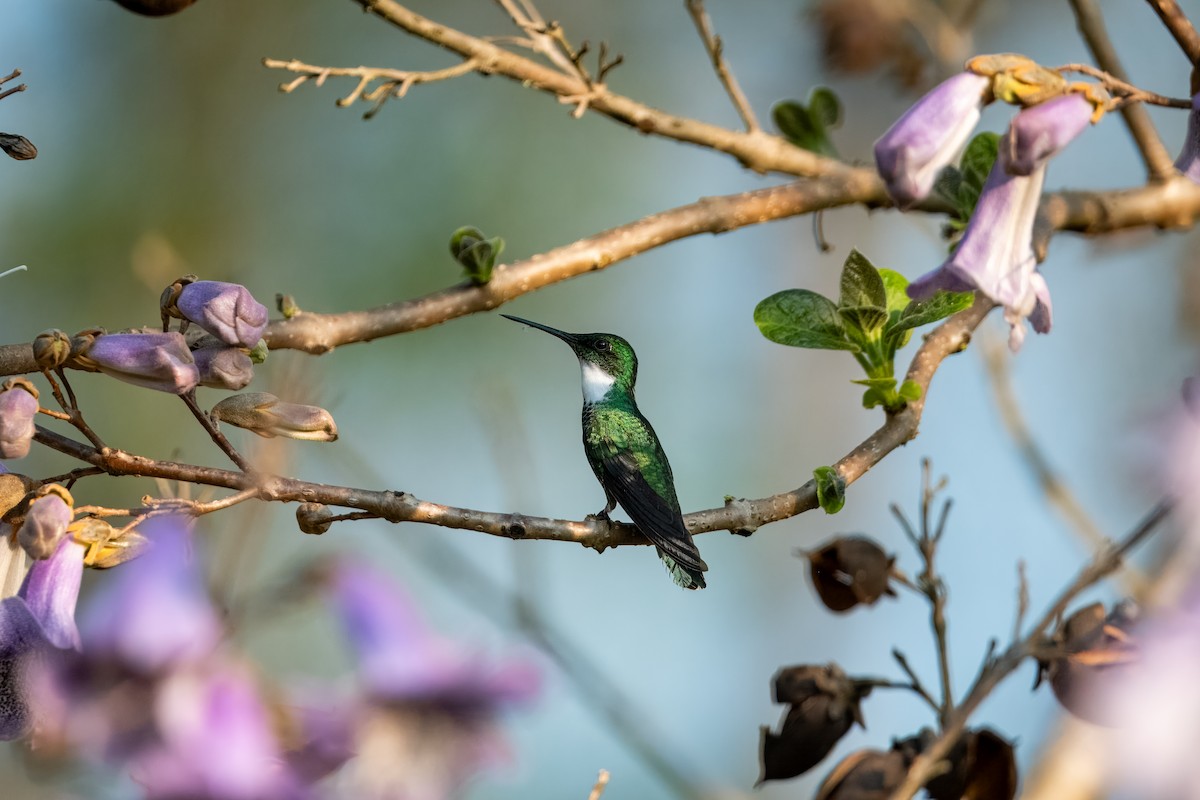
(603, 345)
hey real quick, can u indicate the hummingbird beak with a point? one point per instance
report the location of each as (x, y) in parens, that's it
(569, 338)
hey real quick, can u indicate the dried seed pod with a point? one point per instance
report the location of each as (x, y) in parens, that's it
(1089, 652)
(824, 704)
(17, 147)
(51, 348)
(313, 517)
(982, 766)
(850, 570)
(865, 775)
(13, 488)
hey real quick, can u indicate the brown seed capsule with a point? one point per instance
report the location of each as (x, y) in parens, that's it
(313, 517)
(982, 766)
(1089, 652)
(850, 570)
(17, 147)
(865, 775)
(824, 704)
(13, 488)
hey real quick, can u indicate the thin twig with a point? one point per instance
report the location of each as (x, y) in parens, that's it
(16, 73)
(72, 476)
(214, 432)
(1124, 90)
(598, 788)
(914, 682)
(1180, 27)
(1159, 164)
(716, 53)
(995, 669)
(71, 407)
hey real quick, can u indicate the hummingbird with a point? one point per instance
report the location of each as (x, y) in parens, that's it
(625, 453)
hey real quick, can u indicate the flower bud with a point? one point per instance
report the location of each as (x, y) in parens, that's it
(824, 704)
(224, 367)
(266, 415)
(51, 348)
(49, 512)
(313, 517)
(1189, 157)
(850, 570)
(158, 361)
(17, 147)
(226, 310)
(18, 407)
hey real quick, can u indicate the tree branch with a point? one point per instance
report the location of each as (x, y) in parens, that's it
(1159, 163)
(1180, 27)
(716, 53)
(736, 515)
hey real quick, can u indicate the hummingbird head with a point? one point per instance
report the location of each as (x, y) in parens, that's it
(607, 361)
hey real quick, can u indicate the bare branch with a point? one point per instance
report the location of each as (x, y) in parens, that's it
(1125, 91)
(715, 48)
(598, 788)
(1180, 27)
(1159, 164)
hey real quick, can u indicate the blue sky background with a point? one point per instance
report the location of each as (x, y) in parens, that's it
(165, 148)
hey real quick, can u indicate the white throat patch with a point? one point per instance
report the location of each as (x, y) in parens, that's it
(596, 382)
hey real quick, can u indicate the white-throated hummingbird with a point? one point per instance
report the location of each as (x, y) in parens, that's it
(625, 452)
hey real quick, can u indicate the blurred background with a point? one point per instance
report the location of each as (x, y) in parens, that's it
(165, 148)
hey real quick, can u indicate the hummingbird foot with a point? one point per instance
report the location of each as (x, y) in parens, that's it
(601, 515)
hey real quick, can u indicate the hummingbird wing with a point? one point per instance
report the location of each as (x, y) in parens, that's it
(656, 516)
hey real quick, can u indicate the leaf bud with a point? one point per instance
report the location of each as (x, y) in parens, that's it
(286, 304)
(476, 253)
(51, 348)
(824, 704)
(850, 570)
(313, 518)
(266, 415)
(18, 408)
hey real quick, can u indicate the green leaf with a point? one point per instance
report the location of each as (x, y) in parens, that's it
(876, 397)
(867, 319)
(940, 306)
(895, 287)
(977, 161)
(800, 318)
(948, 186)
(910, 391)
(862, 284)
(806, 126)
(831, 489)
(824, 106)
(886, 384)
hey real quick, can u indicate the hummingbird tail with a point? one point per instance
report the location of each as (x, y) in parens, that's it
(684, 577)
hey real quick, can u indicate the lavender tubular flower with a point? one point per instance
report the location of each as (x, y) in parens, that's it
(226, 310)
(18, 408)
(224, 367)
(1189, 158)
(159, 361)
(41, 615)
(929, 136)
(1040, 132)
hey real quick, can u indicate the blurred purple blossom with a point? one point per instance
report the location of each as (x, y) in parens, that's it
(18, 408)
(159, 361)
(41, 615)
(929, 136)
(226, 310)
(154, 613)
(1189, 158)
(224, 367)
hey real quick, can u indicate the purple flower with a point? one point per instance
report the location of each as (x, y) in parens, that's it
(1040, 132)
(996, 254)
(159, 361)
(214, 740)
(46, 521)
(425, 724)
(1189, 158)
(226, 310)
(41, 615)
(224, 367)
(18, 408)
(929, 136)
(154, 613)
